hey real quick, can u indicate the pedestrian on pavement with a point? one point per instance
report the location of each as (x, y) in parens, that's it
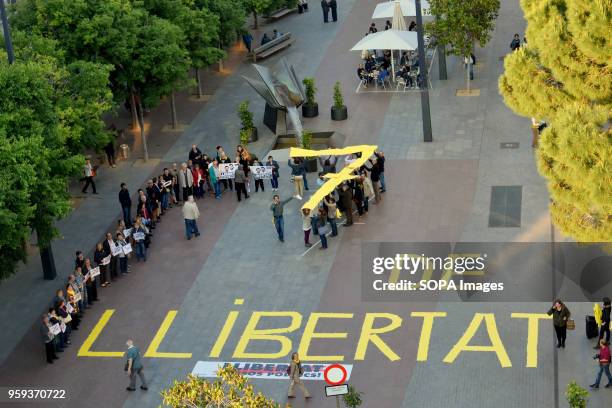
(604, 364)
(298, 173)
(346, 199)
(191, 215)
(123, 258)
(240, 182)
(380, 157)
(89, 173)
(560, 314)
(90, 283)
(277, 213)
(109, 245)
(295, 372)
(213, 174)
(109, 149)
(515, 44)
(330, 204)
(302, 6)
(322, 227)
(333, 5)
(99, 255)
(185, 178)
(469, 62)
(175, 184)
(48, 339)
(604, 330)
(79, 259)
(126, 204)
(275, 174)
(259, 183)
(134, 366)
(306, 226)
(325, 7)
(247, 39)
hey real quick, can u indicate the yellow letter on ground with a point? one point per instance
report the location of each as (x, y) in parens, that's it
(496, 343)
(368, 333)
(532, 335)
(85, 350)
(159, 337)
(309, 334)
(428, 319)
(252, 333)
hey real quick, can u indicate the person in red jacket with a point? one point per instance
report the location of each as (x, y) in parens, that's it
(604, 364)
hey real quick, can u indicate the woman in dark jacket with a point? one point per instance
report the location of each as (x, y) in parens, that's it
(560, 314)
(90, 283)
(321, 221)
(99, 255)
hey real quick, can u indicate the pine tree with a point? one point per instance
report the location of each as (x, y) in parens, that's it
(564, 76)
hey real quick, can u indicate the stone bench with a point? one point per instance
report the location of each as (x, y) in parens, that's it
(275, 15)
(273, 46)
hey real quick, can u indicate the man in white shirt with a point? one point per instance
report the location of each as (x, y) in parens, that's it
(191, 214)
(88, 172)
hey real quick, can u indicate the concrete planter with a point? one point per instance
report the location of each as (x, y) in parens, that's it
(310, 111)
(254, 136)
(339, 113)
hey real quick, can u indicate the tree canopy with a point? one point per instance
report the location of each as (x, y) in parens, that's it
(564, 77)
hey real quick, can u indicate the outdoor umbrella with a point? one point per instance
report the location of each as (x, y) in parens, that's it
(385, 9)
(398, 23)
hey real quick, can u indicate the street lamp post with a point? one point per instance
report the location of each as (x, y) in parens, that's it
(424, 83)
(7, 33)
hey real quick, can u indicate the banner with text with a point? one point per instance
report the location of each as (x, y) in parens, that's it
(269, 371)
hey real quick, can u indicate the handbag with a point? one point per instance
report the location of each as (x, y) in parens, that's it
(571, 324)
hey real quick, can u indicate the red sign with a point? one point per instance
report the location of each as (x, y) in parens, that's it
(335, 374)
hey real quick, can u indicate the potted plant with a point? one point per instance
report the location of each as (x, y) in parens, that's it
(245, 137)
(310, 108)
(310, 162)
(338, 111)
(353, 398)
(576, 396)
(246, 119)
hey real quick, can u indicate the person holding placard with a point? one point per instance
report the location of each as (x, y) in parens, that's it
(99, 256)
(139, 235)
(90, 282)
(227, 183)
(258, 179)
(61, 340)
(275, 174)
(123, 260)
(110, 249)
(48, 338)
(80, 282)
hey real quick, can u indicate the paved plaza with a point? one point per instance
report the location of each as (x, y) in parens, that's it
(437, 192)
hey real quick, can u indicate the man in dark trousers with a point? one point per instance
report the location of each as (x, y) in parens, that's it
(333, 5)
(604, 330)
(126, 205)
(325, 7)
(346, 199)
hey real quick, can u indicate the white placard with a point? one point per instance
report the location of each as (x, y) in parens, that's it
(127, 232)
(264, 370)
(94, 272)
(106, 260)
(77, 297)
(116, 250)
(139, 236)
(227, 170)
(262, 172)
(67, 319)
(55, 329)
(166, 184)
(333, 390)
(127, 248)
(62, 327)
(86, 276)
(69, 308)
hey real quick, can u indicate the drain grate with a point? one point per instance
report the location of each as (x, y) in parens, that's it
(509, 145)
(505, 209)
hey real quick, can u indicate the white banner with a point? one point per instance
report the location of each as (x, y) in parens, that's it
(127, 232)
(139, 236)
(94, 272)
(265, 370)
(106, 261)
(262, 172)
(116, 250)
(62, 327)
(69, 308)
(55, 329)
(227, 170)
(127, 248)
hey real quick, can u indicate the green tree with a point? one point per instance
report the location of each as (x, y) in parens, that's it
(35, 162)
(257, 7)
(459, 24)
(231, 389)
(231, 15)
(563, 76)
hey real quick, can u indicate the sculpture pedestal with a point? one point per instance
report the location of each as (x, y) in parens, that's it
(275, 120)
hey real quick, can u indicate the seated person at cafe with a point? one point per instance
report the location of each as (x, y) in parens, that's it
(362, 74)
(384, 74)
(404, 59)
(370, 64)
(373, 28)
(386, 63)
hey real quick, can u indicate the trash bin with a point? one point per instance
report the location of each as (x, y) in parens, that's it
(125, 151)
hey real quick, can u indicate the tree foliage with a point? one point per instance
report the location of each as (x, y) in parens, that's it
(459, 24)
(231, 389)
(231, 15)
(564, 77)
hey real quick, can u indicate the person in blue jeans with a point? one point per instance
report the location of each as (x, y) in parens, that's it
(275, 167)
(214, 173)
(322, 228)
(277, 213)
(191, 214)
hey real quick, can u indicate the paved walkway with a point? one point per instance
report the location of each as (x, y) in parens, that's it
(437, 192)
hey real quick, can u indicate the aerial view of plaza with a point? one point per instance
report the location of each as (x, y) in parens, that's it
(305, 203)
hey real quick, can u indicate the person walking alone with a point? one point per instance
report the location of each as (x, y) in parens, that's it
(277, 213)
(134, 366)
(604, 364)
(295, 372)
(126, 204)
(191, 214)
(560, 314)
(604, 330)
(89, 173)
